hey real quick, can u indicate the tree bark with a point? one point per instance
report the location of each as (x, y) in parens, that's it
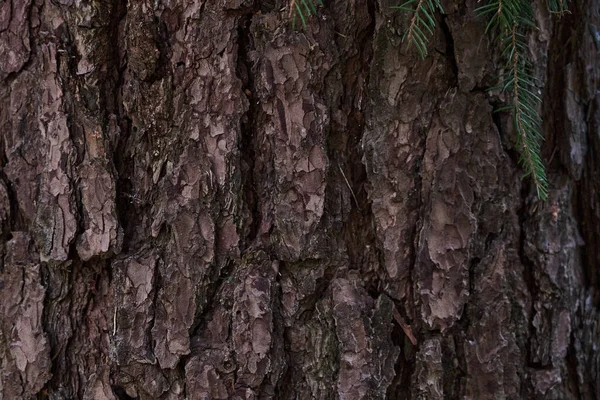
(199, 202)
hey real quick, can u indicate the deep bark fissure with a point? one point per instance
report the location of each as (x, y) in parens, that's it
(120, 393)
(572, 369)
(248, 129)
(126, 202)
(13, 202)
(530, 281)
(449, 51)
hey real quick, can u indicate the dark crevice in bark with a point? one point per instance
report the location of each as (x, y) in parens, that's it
(452, 372)
(213, 291)
(406, 362)
(248, 130)
(496, 117)
(462, 366)
(120, 393)
(109, 87)
(76, 197)
(155, 287)
(127, 202)
(309, 303)
(162, 41)
(457, 374)
(157, 284)
(184, 384)
(16, 222)
(68, 56)
(399, 389)
(480, 89)
(321, 286)
(528, 277)
(267, 6)
(180, 368)
(588, 254)
(60, 364)
(349, 170)
(502, 121)
(554, 107)
(587, 204)
(118, 15)
(415, 233)
(233, 356)
(285, 386)
(588, 226)
(287, 377)
(269, 388)
(572, 367)
(449, 51)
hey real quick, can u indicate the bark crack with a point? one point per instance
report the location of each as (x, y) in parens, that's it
(449, 53)
(248, 130)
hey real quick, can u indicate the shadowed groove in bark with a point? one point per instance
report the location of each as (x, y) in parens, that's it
(125, 203)
(247, 143)
(449, 51)
(14, 221)
(528, 275)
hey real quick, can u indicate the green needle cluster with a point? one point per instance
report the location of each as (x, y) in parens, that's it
(303, 9)
(422, 22)
(558, 6)
(509, 21)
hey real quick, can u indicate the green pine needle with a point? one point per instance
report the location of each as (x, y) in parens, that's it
(509, 19)
(303, 9)
(422, 23)
(558, 7)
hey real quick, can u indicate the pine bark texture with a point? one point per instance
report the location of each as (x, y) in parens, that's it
(198, 202)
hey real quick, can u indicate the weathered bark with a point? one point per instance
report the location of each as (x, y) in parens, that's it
(198, 202)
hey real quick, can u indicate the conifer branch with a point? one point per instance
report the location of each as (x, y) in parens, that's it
(527, 121)
(422, 23)
(558, 7)
(510, 18)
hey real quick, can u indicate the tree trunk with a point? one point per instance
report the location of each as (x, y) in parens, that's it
(199, 202)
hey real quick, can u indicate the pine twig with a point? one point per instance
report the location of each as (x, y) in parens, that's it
(422, 23)
(527, 121)
(511, 18)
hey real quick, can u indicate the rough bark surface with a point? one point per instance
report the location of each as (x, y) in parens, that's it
(198, 202)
